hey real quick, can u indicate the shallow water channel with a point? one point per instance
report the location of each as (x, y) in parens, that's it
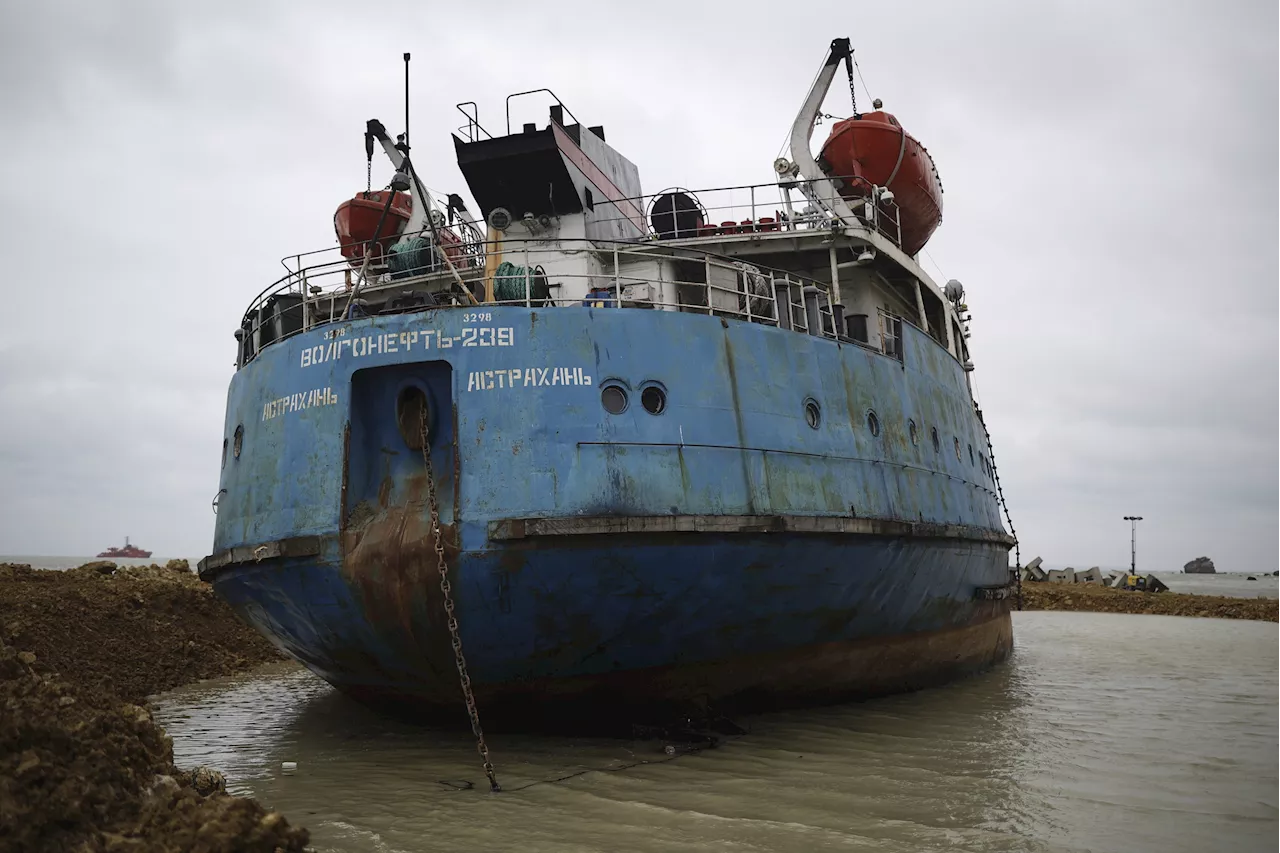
(1104, 732)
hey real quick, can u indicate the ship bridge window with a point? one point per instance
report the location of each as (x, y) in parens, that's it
(971, 454)
(913, 432)
(957, 441)
(873, 423)
(937, 445)
(588, 198)
(891, 335)
(239, 441)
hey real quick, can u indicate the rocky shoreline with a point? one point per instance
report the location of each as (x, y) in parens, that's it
(1094, 598)
(83, 766)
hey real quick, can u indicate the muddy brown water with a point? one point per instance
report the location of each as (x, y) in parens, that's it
(1104, 732)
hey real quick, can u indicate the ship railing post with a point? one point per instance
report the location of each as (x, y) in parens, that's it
(528, 297)
(706, 260)
(617, 285)
(306, 306)
(754, 219)
(747, 280)
(804, 315)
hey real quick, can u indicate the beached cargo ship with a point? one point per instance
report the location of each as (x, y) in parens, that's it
(690, 450)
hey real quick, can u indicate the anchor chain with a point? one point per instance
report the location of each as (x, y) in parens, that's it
(447, 591)
(995, 475)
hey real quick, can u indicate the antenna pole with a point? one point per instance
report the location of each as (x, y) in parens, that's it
(406, 103)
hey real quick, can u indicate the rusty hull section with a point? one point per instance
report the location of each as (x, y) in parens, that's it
(826, 673)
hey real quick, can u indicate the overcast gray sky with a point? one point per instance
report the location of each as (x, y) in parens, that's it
(1111, 206)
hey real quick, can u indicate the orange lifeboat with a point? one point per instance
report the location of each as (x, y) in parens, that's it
(875, 148)
(356, 221)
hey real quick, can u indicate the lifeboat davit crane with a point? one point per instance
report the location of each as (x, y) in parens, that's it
(867, 157)
(377, 220)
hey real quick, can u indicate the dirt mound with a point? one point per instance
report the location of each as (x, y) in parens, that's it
(134, 631)
(81, 770)
(1101, 599)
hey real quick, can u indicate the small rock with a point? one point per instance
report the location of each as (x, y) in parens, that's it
(102, 567)
(178, 565)
(207, 781)
(30, 761)
(67, 700)
(28, 658)
(164, 783)
(135, 713)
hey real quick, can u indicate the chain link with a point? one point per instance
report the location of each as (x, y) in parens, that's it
(995, 475)
(853, 92)
(447, 590)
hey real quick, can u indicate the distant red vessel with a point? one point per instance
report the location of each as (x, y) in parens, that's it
(127, 551)
(875, 147)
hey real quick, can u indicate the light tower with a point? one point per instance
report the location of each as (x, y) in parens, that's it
(1133, 542)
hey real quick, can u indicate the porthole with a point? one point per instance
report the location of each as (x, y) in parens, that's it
(957, 441)
(971, 455)
(239, 441)
(937, 445)
(873, 423)
(224, 453)
(413, 413)
(653, 398)
(614, 399)
(812, 413)
(913, 432)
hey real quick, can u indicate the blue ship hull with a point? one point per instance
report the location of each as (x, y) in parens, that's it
(725, 553)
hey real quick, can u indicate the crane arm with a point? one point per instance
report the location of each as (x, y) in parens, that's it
(802, 132)
(418, 219)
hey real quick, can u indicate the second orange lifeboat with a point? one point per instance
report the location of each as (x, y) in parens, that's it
(356, 221)
(874, 149)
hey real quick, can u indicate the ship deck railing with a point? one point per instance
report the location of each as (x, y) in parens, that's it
(758, 209)
(326, 288)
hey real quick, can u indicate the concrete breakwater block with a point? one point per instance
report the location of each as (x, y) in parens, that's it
(1067, 575)
(1094, 575)
(1114, 578)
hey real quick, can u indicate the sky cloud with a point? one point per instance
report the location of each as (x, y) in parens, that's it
(1111, 206)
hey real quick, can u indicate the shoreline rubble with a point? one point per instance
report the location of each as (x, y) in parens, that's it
(83, 765)
(1094, 598)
